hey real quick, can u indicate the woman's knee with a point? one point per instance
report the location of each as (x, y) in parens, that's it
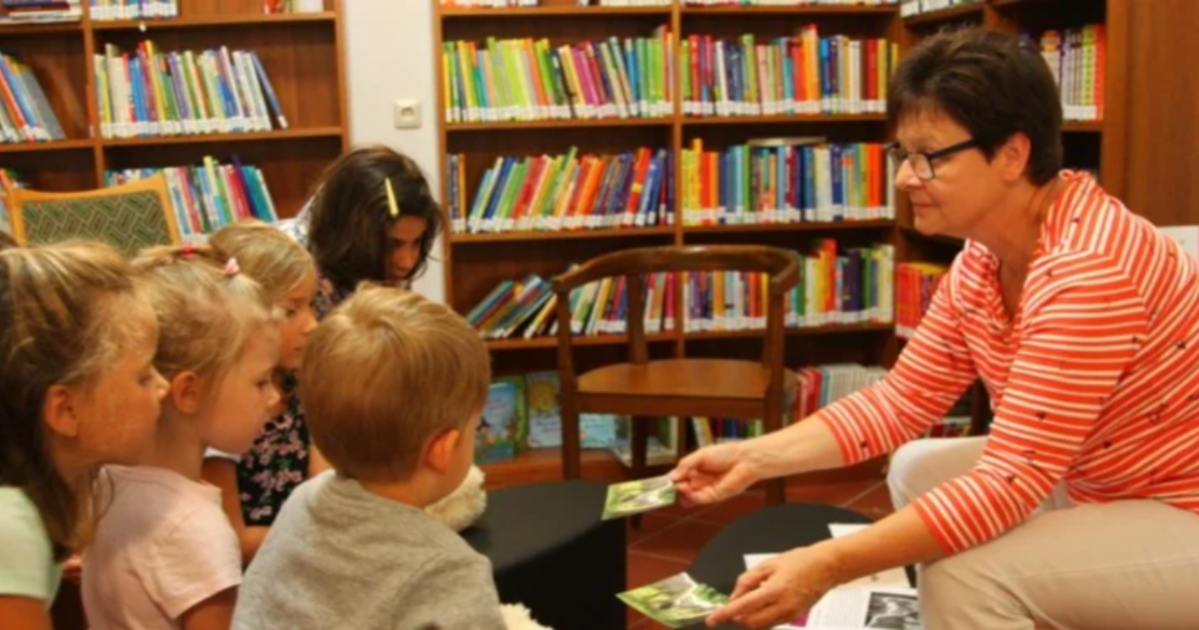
(921, 465)
(960, 592)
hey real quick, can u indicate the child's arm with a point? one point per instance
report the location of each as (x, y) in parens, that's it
(317, 463)
(23, 613)
(222, 473)
(214, 613)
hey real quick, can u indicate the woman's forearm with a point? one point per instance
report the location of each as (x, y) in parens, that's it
(802, 447)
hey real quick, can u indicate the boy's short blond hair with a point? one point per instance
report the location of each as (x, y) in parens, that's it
(384, 373)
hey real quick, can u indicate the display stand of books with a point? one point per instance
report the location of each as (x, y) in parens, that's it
(569, 131)
(281, 112)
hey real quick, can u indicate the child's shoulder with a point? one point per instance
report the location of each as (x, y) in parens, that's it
(27, 564)
(20, 522)
(157, 499)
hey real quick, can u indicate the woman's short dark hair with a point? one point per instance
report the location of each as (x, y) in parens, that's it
(350, 217)
(993, 84)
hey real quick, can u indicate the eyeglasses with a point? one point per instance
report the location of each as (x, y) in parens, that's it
(922, 161)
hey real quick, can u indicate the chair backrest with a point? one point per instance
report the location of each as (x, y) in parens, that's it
(781, 265)
(128, 217)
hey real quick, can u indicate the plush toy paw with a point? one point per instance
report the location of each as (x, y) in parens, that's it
(517, 617)
(464, 505)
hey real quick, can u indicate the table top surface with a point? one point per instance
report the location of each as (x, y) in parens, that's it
(527, 520)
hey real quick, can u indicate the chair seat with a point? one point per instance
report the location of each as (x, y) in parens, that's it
(723, 379)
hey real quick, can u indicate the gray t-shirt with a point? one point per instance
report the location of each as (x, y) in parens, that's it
(340, 557)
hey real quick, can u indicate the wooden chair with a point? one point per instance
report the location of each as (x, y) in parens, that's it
(128, 217)
(675, 387)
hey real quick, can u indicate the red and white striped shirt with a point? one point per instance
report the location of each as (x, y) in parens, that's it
(1094, 382)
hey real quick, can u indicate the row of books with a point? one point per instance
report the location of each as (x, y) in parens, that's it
(523, 79)
(910, 8)
(820, 386)
(855, 285)
(786, 180)
(851, 286)
(9, 180)
(565, 192)
(504, 4)
(1078, 59)
(154, 93)
(293, 6)
(109, 10)
(783, 3)
(526, 308)
(16, 11)
(803, 74)
(523, 412)
(915, 284)
(208, 197)
(25, 114)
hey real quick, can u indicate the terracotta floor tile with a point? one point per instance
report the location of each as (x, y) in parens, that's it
(651, 524)
(875, 504)
(642, 570)
(681, 542)
(830, 494)
(733, 509)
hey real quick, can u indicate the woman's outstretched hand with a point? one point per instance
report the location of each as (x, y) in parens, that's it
(780, 589)
(714, 473)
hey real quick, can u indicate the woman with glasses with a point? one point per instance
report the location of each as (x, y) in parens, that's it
(1079, 509)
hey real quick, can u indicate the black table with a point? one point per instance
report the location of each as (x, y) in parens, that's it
(771, 530)
(552, 553)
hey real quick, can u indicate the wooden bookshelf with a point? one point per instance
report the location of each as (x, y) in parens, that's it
(303, 54)
(474, 264)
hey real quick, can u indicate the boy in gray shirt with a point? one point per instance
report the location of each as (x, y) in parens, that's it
(393, 386)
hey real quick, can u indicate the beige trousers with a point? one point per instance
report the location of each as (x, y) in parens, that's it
(1119, 566)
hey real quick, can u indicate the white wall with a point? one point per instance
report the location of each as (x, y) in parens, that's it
(389, 55)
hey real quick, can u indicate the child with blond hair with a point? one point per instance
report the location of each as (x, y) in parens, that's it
(393, 386)
(165, 555)
(255, 484)
(78, 389)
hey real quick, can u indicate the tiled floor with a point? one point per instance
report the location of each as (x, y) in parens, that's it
(669, 539)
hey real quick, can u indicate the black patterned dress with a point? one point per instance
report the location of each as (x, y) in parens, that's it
(277, 462)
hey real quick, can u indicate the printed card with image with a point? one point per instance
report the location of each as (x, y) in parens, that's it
(677, 601)
(635, 497)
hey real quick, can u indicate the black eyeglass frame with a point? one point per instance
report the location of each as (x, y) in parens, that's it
(901, 155)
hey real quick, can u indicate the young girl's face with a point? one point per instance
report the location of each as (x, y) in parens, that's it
(118, 411)
(299, 321)
(240, 402)
(404, 240)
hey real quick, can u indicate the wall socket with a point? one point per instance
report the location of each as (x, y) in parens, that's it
(406, 113)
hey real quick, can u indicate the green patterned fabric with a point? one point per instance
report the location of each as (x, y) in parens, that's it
(128, 222)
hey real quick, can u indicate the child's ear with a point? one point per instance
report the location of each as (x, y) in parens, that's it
(59, 411)
(187, 391)
(440, 453)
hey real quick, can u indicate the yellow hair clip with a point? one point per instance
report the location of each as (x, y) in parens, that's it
(391, 200)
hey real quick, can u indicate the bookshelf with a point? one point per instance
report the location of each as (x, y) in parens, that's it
(476, 263)
(303, 54)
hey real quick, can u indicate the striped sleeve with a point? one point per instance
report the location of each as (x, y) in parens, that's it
(1084, 321)
(930, 375)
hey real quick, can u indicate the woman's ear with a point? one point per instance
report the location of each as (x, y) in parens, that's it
(187, 392)
(439, 455)
(1014, 156)
(61, 410)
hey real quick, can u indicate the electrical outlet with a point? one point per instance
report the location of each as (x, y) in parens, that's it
(407, 113)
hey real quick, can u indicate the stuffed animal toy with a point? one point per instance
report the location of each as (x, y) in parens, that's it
(463, 506)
